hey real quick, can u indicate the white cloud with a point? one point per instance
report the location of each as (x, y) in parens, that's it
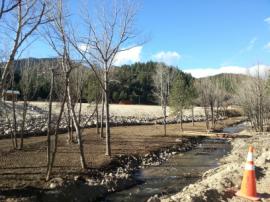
(251, 44)
(169, 57)
(267, 20)
(203, 72)
(267, 46)
(83, 47)
(129, 56)
(124, 57)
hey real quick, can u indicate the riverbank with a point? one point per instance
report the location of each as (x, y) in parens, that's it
(94, 184)
(220, 184)
(23, 171)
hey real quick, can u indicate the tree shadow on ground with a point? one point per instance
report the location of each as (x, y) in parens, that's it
(22, 192)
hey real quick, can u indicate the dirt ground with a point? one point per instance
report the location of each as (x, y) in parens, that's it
(221, 183)
(21, 168)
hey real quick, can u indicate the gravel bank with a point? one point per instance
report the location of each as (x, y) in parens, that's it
(221, 183)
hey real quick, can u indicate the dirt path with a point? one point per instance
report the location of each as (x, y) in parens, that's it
(220, 184)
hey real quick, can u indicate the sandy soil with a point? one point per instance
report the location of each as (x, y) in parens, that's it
(21, 168)
(220, 184)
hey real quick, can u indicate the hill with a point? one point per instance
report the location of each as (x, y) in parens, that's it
(230, 82)
(129, 83)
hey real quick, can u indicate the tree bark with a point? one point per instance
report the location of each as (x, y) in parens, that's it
(14, 123)
(192, 112)
(25, 105)
(107, 120)
(102, 117)
(206, 118)
(97, 118)
(77, 126)
(49, 122)
(212, 115)
(69, 122)
(49, 169)
(181, 120)
(164, 119)
(80, 106)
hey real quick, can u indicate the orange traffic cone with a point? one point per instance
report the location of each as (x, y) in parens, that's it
(248, 186)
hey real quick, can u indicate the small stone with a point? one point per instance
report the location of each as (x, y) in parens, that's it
(154, 199)
(56, 182)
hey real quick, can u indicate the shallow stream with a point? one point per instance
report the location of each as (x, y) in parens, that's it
(176, 173)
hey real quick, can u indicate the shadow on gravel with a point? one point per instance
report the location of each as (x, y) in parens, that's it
(265, 195)
(211, 195)
(259, 172)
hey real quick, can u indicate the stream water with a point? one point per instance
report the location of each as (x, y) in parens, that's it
(178, 172)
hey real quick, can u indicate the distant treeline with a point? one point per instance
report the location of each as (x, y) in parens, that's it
(135, 83)
(128, 84)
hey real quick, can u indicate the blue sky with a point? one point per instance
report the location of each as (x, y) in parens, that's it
(199, 35)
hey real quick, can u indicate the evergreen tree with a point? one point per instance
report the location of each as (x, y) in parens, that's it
(181, 95)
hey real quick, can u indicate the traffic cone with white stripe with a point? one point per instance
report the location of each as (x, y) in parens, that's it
(248, 186)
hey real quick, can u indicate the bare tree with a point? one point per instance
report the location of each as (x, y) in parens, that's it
(52, 154)
(212, 97)
(57, 36)
(28, 87)
(203, 93)
(162, 79)
(7, 6)
(29, 16)
(111, 31)
(253, 97)
(93, 93)
(14, 116)
(181, 94)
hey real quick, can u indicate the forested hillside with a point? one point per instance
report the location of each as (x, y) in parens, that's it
(128, 84)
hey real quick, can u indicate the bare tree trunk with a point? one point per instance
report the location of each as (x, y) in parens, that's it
(14, 128)
(77, 126)
(97, 119)
(261, 111)
(25, 105)
(14, 122)
(164, 120)
(181, 120)
(80, 107)
(70, 125)
(49, 122)
(212, 114)
(206, 118)
(9, 122)
(107, 120)
(217, 115)
(192, 112)
(49, 169)
(102, 117)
